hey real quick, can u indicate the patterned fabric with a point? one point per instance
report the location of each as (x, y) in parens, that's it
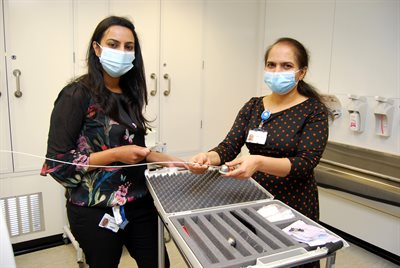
(299, 133)
(78, 128)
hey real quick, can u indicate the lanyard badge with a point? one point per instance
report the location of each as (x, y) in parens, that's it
(258, 135)
(117, 222)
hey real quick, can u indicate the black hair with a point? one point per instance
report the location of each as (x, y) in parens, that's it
(303, 58)
(132, 83)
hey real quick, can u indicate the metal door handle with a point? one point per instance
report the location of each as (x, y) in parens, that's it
(18, 92)
(154, 91)
(168, 91)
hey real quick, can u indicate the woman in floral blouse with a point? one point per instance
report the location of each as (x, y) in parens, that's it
(285, 132)
(97, 134)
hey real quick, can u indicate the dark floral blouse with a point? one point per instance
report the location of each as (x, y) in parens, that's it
(299, 133)
(78, 128)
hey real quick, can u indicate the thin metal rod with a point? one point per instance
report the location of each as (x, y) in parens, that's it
(161, 257)
(330, 261)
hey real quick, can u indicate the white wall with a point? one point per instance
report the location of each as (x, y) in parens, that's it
(233, 35)
(366, 62)
(355, 49)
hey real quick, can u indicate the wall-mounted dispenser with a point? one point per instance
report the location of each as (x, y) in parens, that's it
(357, 108)
(383, 112)
(333, 104)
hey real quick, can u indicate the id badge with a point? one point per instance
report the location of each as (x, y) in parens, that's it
(257, 136)
(108, 222)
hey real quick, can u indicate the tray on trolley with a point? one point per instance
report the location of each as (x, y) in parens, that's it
(215, 223)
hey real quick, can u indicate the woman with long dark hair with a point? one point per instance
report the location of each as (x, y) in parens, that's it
(96, 150)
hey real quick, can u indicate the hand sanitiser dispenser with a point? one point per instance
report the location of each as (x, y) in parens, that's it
(383, 112)
(357, 112)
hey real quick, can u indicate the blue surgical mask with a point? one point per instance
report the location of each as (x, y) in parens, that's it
(115, 62)
(280, 82)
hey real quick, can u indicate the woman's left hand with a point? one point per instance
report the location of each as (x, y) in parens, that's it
(243, 167)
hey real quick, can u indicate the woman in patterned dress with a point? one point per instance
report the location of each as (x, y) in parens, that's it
(285, 132)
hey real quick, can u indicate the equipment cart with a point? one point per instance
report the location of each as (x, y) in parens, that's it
(215, 222)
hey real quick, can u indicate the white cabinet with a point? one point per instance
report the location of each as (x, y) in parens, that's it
(181, 59)
(171, 34)
(38, 62)
(5, 142)
(47, 42)
(37, 58)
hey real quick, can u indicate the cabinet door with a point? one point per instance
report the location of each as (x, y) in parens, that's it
(145, 15)
(37, 39)
(171, 38)
(39, 61)
(5, 141)
(181, 76)
(87, 14)
(170, 33)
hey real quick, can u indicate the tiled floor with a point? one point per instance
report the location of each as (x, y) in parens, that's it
(65, 257)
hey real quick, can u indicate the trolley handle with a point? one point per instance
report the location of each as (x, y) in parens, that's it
(333, 246)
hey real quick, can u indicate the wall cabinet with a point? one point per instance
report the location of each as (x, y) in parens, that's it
(5, 158)
(36, 65)
(198, 51)
(43, 55)
(36, 62)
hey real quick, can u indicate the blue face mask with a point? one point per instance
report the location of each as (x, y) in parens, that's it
(280, 83)
(115, 62)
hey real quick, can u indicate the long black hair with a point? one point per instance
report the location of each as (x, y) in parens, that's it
(303, 58)
(132, 83)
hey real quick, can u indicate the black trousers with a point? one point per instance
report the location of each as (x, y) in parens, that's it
(103, 247)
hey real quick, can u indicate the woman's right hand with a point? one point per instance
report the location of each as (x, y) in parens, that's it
(199, 163)
(130, 154)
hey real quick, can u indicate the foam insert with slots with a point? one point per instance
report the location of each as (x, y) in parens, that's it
(184, 191)
(209, 234)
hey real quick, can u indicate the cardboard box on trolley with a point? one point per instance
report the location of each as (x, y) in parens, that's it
(215, 222)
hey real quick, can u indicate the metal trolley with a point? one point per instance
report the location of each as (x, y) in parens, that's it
(214, 222)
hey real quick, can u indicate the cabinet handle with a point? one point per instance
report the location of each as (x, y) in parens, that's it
(17, 74)
(154, 91)
(168, 91)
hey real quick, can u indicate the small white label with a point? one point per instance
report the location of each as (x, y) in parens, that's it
(117, 214)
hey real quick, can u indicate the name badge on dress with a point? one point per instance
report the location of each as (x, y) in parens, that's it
(257, 136)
